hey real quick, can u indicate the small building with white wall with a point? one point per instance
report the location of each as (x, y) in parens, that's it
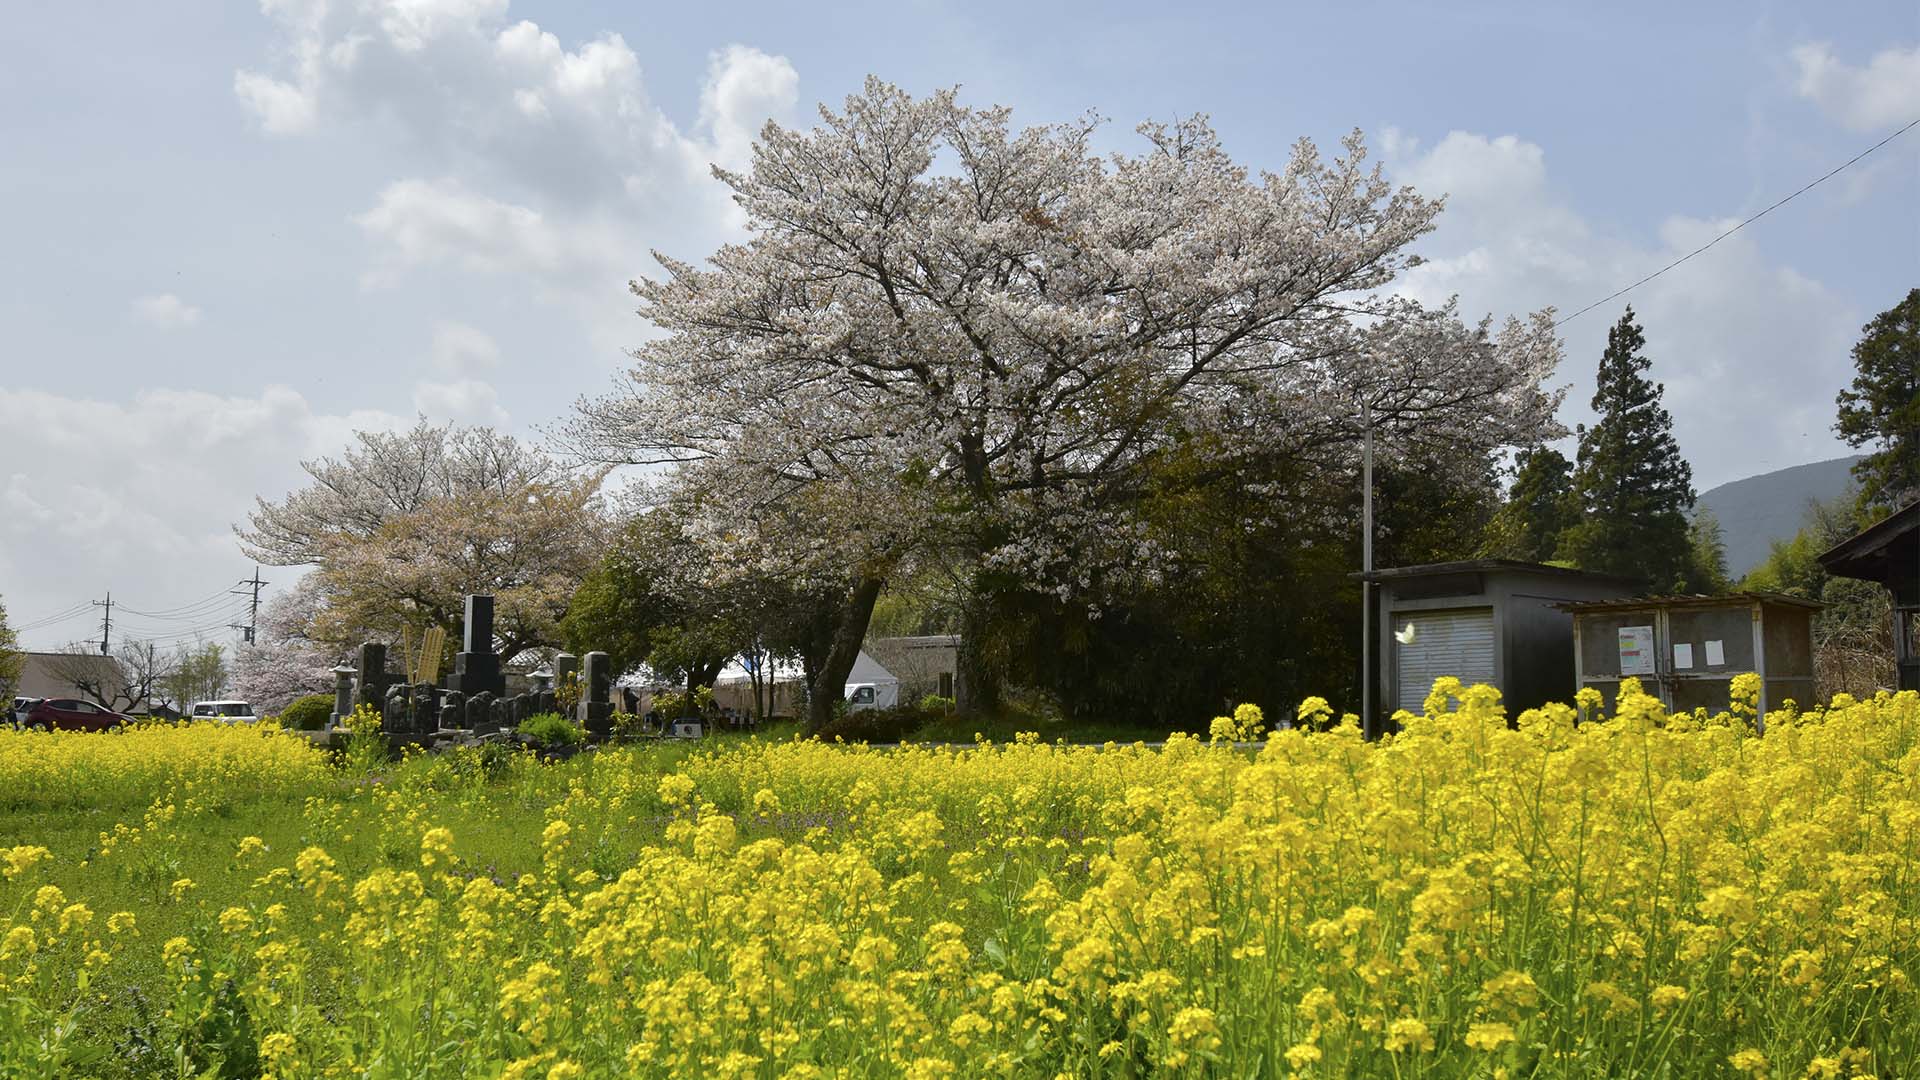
(924, 664)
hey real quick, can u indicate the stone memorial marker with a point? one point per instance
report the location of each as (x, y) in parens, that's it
(476, 667)
(480, 712)
(596, 711)
(373, 679)
(453, 711)
(422, 717)
(342, 694)
(393, 711)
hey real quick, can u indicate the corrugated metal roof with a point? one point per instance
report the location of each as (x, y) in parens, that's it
(1872, 540)
(1481, 566)
(1723, 600)
(921, 641)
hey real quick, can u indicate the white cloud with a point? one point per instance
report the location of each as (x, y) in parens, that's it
(410, 24)
(1883, 94)
(552, 162)
(165, 311)
(744, 87)
(282, 108)
(1751, 352)
(418, 222)
(461, 350)
(466, 401)
(143, 493)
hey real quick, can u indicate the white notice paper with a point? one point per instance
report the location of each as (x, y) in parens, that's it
(1636, 650)
(1716, 654)
(1682, 655)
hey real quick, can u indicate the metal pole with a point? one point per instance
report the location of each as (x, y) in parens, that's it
(1367, 725)
(106, 620)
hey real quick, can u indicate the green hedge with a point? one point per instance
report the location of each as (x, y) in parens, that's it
(309, 713)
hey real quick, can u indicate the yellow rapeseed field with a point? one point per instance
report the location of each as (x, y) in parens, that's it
(1626, 896)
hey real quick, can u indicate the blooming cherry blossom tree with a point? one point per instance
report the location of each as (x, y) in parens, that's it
(996, 331)
(403, 526)
(285, 661)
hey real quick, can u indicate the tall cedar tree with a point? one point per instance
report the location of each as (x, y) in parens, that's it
(1882, 407)
(1539, 508)
(1634, 488)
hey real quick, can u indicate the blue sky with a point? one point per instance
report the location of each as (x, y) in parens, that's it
(237, 233)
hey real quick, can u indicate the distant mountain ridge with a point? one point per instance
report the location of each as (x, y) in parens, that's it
(1758, 510)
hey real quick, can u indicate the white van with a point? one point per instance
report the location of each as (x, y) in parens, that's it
(227, 712)
(870, 686)
(863, 696)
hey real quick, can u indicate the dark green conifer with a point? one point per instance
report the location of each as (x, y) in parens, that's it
(1539, 508)
(1634, 489)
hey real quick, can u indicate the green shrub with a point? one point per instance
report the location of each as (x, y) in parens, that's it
(552, 729)
(879, 725)
(934, 703)
(670, 704)
(309, 713)
(674, 704)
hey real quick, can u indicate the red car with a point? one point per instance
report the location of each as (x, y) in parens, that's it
(68, 714)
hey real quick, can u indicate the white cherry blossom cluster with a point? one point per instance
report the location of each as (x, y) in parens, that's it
(943, 330)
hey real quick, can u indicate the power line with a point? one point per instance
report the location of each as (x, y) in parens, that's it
(200, 614)
(1842, 168)
(55, 619)
(216, 617)
(183, 622)
(222, 621)
(185, 610)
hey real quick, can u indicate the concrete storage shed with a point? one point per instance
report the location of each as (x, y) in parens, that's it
(925, 664)
(1494, 621)
(1687, 649)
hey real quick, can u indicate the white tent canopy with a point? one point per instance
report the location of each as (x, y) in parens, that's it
(781, 670)
(866, 670)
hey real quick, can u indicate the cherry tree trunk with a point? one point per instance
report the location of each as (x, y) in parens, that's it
(980, 679)
(829, 683)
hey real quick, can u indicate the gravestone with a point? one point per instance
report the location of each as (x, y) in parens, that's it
(476, 668)
(373, 677)
(480, 712)
(543, 702)
(422, 716)
(596, 682)
(453, 711)
(393, 711)
(566, 680)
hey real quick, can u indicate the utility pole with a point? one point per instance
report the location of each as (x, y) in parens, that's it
(1368, 726)
(253, 607)
(106, 620)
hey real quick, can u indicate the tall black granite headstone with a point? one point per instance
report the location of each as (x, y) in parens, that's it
(476, 668)
(373, 679)
(596, 711)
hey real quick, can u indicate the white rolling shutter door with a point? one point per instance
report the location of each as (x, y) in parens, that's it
(1457, 643)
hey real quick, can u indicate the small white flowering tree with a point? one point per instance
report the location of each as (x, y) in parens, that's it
(992, 333)
(285, 661)
(403, 526)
